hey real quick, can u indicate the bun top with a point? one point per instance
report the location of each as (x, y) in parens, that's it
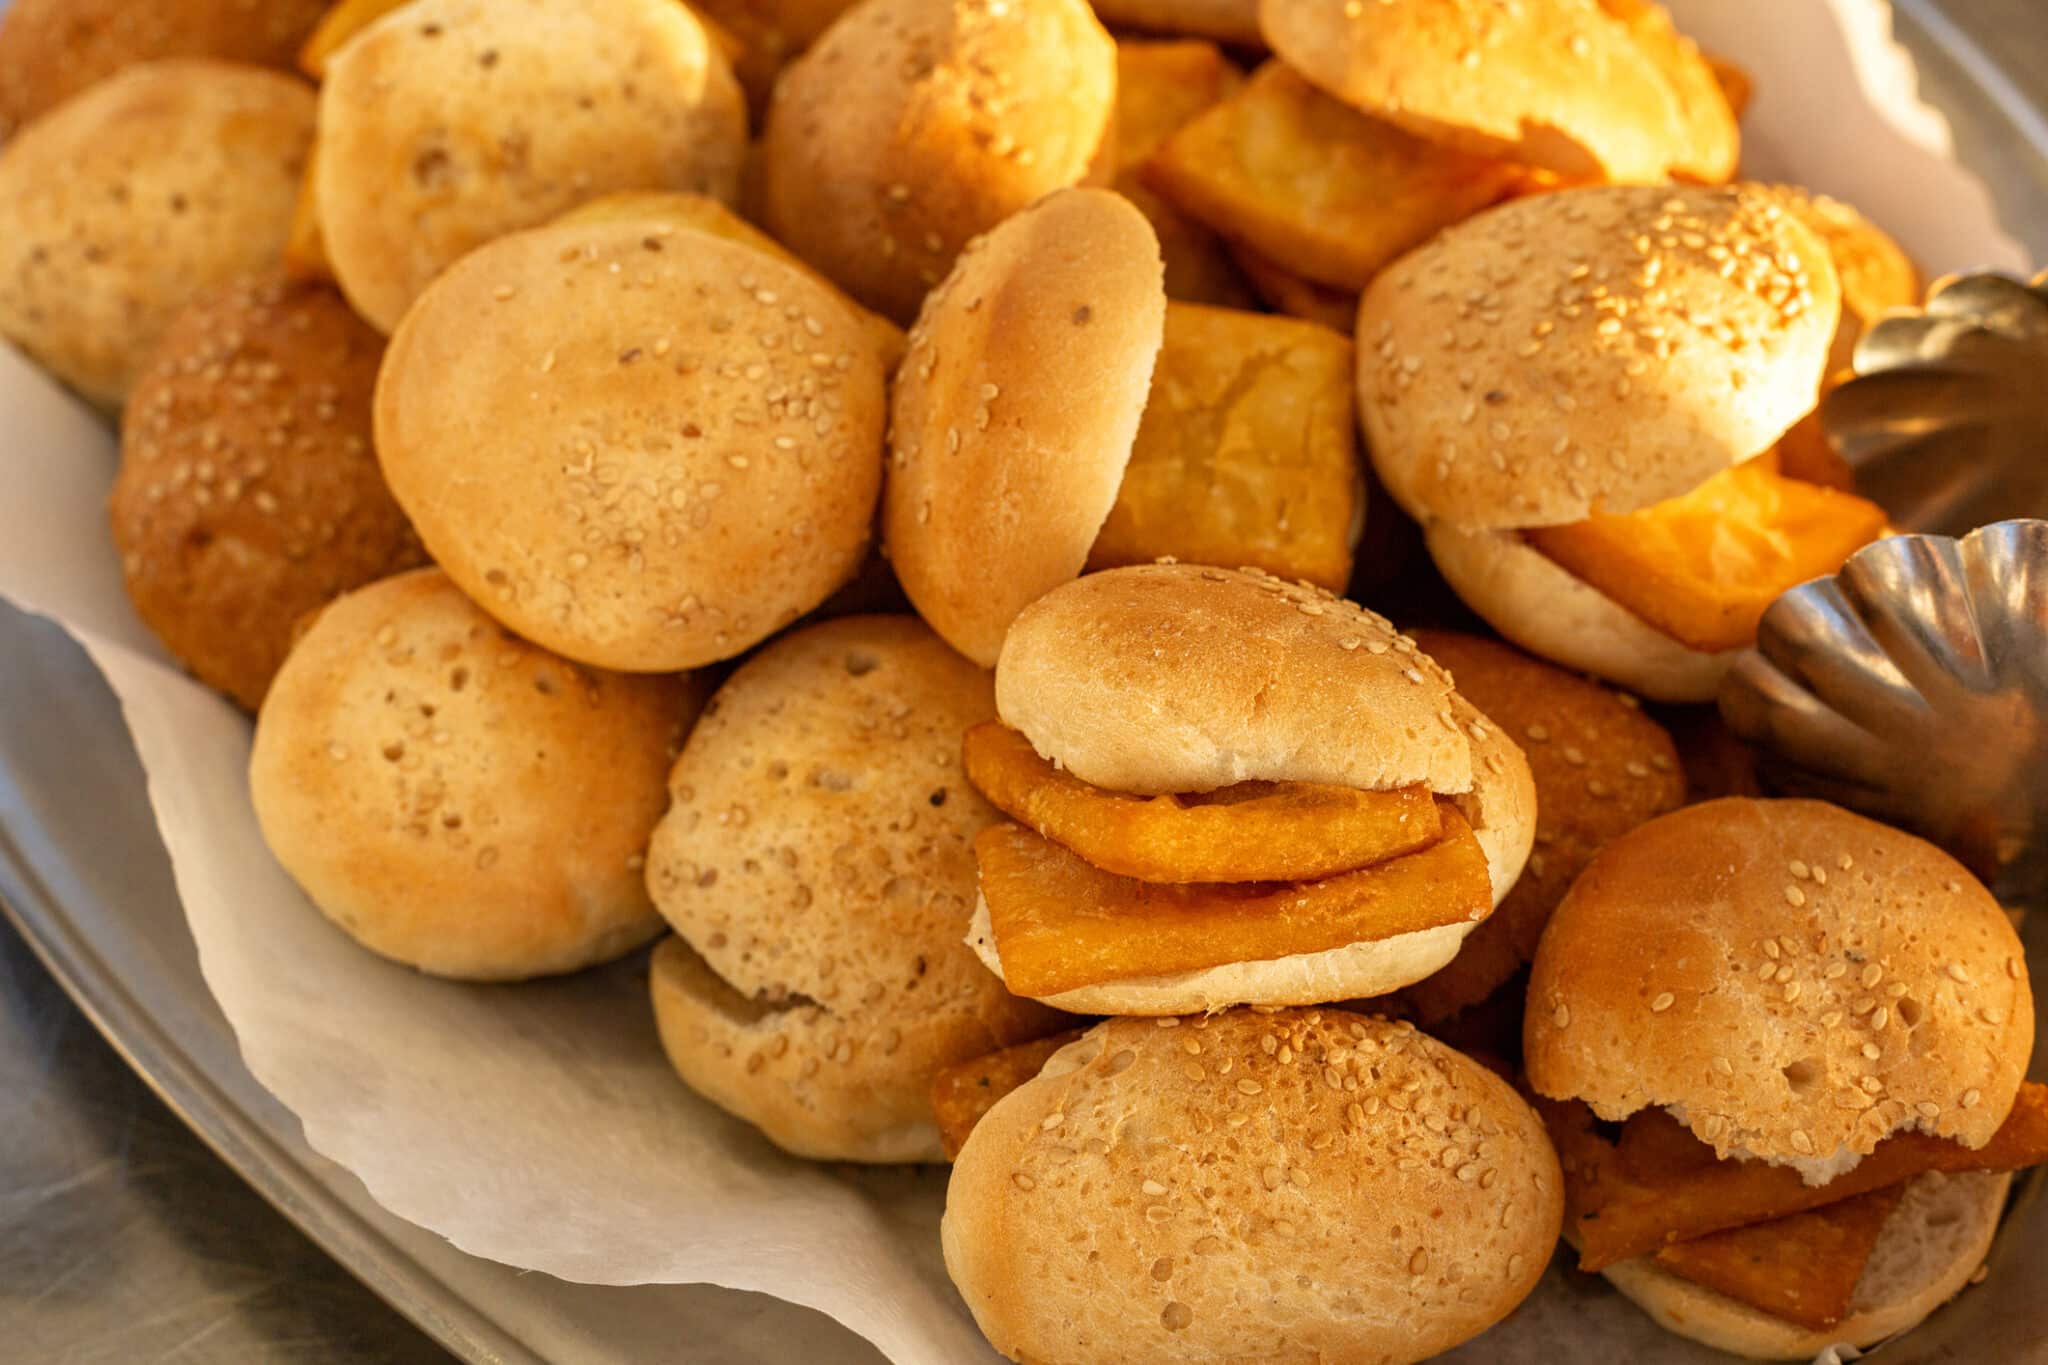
(912, 125)
(640, 445)
(1561, 85)
(448, 123)
(1591, 350)
(1015, 409)
(1795, 982)
(1300, 1184)
(1176, 678)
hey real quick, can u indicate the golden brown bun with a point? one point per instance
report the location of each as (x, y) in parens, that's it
(1227, 21)
(639, 445)
(1178, 678)
(121, 204)
(451, 122)
(1541, 606)
(52, 49)
(1740, 961)
(1709, 143)
(913, 125)
(1015, 408)
(1288, 1186)
(1559, 85)
(1934, 1241)
(1604, 357)
(248, 493)
(1876, 274)
(457, 799)
(818, 862)
(1600, 767)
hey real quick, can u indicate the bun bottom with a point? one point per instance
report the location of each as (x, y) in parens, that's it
(1352, 972)
(749, 1059)
(1931, 1245)
(1556, 615)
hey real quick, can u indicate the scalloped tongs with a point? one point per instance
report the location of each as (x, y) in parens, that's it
(1913, 685)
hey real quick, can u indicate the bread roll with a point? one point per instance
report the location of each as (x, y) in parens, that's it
(818, 864)
(1931, 1246)
(121, 204)
(639, 445)
(452, 122)
(1015, 409)
(457, 799)
(52, 49)
(1599, 768)
(248, 493)
(910, 126)
(1561, 85)
(1739, 963)
(1293, 1185)
(1615, 347)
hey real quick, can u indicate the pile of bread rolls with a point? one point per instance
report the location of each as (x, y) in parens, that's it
(876, 499)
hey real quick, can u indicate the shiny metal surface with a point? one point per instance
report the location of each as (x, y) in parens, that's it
(1946, 422)
(1913, 686)
(123, 1238)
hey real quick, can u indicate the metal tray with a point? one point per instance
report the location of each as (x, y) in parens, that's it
(85, 880)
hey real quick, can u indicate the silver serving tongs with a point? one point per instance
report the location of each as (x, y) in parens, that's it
(1913, 685)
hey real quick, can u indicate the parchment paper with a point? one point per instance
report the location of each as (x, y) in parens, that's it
(539, 1125)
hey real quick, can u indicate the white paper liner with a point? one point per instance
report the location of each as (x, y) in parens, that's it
(539, 1125)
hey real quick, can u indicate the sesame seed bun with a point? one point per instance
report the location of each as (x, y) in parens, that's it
(817, 862)
(1288, 1185)
(1015, 409)
(451, 122)
(121, 204)
(457, 799)
(1600, 767)
(1178, 678)
(1876, 273)
(912, 125)
(1561, 85)
(639, 445)
(1934, 1241)
(1591, 350)
(248, 493)
(1796, 983)
(1549, 611)
(52, 49)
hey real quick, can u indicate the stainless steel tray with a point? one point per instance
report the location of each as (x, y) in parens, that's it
(85, 880)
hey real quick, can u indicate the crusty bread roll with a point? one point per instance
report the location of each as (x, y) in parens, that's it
(1015, 408)
(1291, 1185)
(639, 445)
(818, 864)
(1933, 1243)
(1533, 600)
(1615, 346)
(1560, 85)
(248, 493)
(121, 204)
(451, 122)
(1709, 143)
(1178, 678)
(457, 799)
(1794, 982)
(912, 125)
(52, 49)
(1599, 767)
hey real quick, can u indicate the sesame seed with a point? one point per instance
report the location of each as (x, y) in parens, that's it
(1248, 1086)
(1794, 896)
(1879, 1017)
(1971, 1096)
(1957, 973)
(1051, 1121)
(1801, 1142)
(1664, 1001)
(1928, 1109)
(1023, 1181)
(1561, 1016)
(1153, 1188)
(1800, 870)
